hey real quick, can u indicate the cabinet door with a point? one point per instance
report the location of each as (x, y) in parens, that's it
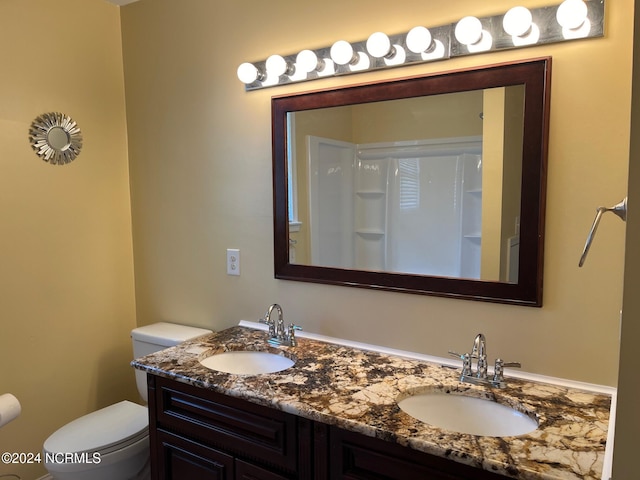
(182, 459)
(247, 471)
(353, 456)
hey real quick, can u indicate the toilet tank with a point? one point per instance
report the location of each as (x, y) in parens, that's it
(158, 336)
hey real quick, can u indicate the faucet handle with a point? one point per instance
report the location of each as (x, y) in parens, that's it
(498, 369)
(466, 362)
(270, 323)
(501, 363)
(292, 334)
(512, 364)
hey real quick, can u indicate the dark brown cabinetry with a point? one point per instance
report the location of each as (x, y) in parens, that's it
(199, 434)
(357, 457)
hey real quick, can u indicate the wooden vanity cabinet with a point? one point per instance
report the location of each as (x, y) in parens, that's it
(198, 434)
(354, 456)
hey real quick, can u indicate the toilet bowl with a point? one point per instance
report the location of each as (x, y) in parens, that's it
(108, 444)
(113, 443)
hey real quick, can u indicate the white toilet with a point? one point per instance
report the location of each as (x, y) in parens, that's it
(113, 442)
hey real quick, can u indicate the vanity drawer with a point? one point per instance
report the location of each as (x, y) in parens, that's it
(241, 428)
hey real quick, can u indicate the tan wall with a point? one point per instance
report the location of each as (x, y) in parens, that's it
(437, 116)
(200, 154)
(501, 180)
(493, 165)
(66, 277)
(514, 114)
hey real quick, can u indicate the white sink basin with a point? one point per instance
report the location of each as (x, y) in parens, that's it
(463, 414)
(243, 362)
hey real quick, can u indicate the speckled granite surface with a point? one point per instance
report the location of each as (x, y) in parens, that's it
(358, 390)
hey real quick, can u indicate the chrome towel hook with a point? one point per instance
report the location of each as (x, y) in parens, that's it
(620, 210)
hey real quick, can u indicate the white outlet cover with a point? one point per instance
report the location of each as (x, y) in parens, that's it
(233, 261)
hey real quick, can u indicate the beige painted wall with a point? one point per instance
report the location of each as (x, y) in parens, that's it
(66, 276)
(502, 124)
(437, 116)
(200, 163)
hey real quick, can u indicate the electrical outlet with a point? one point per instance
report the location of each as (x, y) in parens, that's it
(233, 261)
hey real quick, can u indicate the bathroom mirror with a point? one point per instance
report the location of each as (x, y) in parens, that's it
(432, 185)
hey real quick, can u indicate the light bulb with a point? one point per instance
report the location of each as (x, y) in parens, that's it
(248, 73)
(342, 52)
(419, 39)
(361, 62)
(307, 61)
(571, 14)
(483, 45)
(379, 45)
(398, 58)
(517, 21)
(326, 67)
(581, 32)
(530, 38)
(469, 31)
(276, 66)
(434, 53)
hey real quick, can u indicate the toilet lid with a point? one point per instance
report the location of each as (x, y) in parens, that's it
(104, 429)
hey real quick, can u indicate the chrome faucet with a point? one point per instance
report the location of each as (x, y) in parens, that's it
(479, 352)
(481, 377)
(267, 319)
(278, 334)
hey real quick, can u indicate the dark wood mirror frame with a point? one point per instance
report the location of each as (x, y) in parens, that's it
(535, 75)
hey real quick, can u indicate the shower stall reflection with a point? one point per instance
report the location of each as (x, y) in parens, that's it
(410, 207)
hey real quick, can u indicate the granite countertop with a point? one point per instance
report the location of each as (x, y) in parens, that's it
(358, 390)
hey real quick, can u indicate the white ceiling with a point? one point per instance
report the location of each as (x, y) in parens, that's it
(121, 2)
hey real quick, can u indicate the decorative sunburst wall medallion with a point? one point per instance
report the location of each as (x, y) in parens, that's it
(56, 138)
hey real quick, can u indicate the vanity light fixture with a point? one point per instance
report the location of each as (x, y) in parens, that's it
(469, 31)
(249, 73)
(343, 53)
(327, 68)
(379, 46)
(278, 66)
(518, 22)
(572, 15)
(420, 40)
(307, 61)
(517, 28)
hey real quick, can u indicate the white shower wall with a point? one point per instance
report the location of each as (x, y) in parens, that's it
(331, 172)
(411, 207)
